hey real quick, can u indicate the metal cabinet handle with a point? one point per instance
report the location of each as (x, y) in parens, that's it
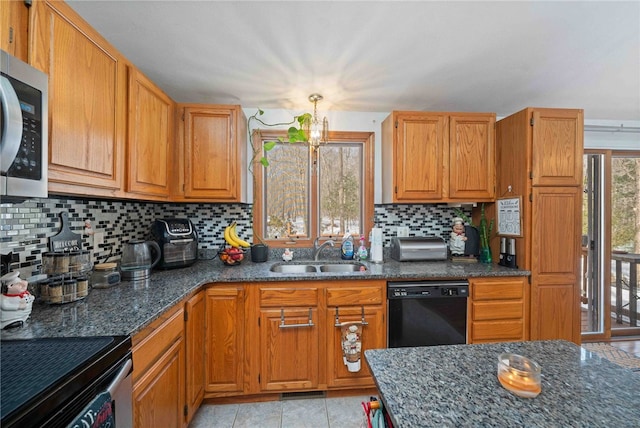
(339, 324)
(283, 325)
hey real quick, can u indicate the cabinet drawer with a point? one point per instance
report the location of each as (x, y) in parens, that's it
(354, 296)
(497, 290)
(160, 338)
(276, 297)
(495, 310)
(497, 331)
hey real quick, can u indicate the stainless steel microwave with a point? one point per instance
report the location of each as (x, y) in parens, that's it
(24, 123)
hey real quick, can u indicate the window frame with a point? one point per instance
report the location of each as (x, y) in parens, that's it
(367, 139)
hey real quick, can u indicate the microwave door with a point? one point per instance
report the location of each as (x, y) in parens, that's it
(11, 126)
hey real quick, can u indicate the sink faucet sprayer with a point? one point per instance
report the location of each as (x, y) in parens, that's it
(317, 249)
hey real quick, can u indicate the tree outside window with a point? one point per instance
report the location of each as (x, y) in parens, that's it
(304, 194)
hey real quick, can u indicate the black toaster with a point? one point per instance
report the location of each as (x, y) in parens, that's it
(178, 241)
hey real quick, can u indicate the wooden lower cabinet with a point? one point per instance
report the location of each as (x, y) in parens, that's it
(497, 310)
(225, 335)
(289, 352)
(195, 311)
(159, 373)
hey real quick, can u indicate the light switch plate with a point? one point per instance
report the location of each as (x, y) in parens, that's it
(98, 239)
(402, 231)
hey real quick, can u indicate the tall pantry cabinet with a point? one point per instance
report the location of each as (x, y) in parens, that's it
(539, 158)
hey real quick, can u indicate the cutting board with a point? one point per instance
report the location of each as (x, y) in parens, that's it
(65, 240)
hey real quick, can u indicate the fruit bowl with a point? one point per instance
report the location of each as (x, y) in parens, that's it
(231, 256)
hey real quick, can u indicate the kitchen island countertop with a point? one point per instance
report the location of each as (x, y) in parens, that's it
(457, 385)
(128, 307)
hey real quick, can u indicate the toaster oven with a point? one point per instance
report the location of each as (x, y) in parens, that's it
(178, 241)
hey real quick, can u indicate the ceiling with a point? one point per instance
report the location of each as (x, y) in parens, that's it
(378, 56)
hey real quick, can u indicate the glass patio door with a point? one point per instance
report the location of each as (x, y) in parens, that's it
(610, 298)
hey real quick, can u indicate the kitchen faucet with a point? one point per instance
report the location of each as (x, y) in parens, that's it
(317, 249)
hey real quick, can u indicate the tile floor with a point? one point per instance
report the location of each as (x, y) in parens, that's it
(340, 412)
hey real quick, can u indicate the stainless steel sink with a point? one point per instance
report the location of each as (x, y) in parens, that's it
(282, 268)
(317, 268)
(342, 267)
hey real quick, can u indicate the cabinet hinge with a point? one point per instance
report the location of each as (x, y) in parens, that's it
(531, 122)
(258, 377)
(529, 279)
(530, 175)
(395, 189)
(258, 321)
(186, 316)
(10, 34)
(530, 197)
(186, 410)
(396, 124)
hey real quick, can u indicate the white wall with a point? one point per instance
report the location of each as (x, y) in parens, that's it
(338, 121)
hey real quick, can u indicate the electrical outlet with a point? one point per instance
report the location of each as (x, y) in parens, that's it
(98, 239)
(402, 231)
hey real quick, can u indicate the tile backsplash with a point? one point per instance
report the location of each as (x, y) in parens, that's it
(25, 227)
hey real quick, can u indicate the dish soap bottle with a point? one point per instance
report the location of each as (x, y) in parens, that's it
(362, 250)
(346, 248)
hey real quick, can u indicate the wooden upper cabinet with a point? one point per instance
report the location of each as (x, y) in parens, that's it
(438, 157)
(472, 174)
(214, 150)
(14, 22)
(150, 142)
(87, 103)
(557, 147)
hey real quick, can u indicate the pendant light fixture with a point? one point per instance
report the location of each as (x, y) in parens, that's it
(318, 131)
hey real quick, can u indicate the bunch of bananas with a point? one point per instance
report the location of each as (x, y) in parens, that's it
(232, 238)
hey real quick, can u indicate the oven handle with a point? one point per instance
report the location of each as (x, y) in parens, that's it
(122, 374)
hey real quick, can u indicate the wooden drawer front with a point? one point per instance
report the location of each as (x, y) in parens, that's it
(483, 311)
(497, 291)
(354, 296)
(276, 297)
(156, 343)
(496, 331)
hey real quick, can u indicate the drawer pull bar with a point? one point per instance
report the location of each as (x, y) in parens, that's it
(339, 324)
(283, 325)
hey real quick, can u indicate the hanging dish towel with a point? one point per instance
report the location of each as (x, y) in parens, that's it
(97, 414)
(351, 345)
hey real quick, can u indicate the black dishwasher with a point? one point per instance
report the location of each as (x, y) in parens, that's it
(427, 313)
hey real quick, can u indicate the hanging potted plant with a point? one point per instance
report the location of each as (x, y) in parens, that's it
(484, 231)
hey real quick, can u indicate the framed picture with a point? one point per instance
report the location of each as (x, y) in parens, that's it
(509, 216)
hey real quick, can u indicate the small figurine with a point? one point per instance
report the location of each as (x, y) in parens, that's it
(458, 238)
(16, 302)
(287, 256)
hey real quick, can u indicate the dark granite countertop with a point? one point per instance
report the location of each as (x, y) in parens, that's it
(128, 307)
(457, 385)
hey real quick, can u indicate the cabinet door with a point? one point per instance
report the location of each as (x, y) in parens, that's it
(87, 104)
(14, 38)
(150, 137)
(557, 147)
(555, 288)
(374, 336)
(289, 355)
(195, 351)
(224, 339)
(159, 395)
(419, 158)
(472, 157)
(214, 151)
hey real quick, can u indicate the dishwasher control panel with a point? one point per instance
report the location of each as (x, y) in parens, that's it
(427, 289)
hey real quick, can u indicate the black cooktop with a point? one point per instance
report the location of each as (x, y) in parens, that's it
(40, 375)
